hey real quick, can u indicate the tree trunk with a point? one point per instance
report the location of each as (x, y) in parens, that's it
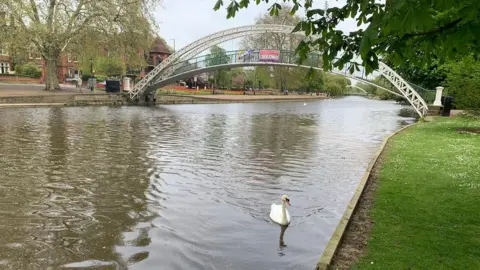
(51, 79)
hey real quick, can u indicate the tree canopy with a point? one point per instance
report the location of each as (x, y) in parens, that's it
(419, 31)
(52, 27)
(218, 56)
(463, 82)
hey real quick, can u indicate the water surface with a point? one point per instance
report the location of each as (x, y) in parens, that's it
(181, 187)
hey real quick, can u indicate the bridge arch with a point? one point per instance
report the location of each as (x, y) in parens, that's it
(197, 71)
(164, 70)
(361, 89)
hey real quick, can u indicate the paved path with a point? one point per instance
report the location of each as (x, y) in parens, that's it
(11, 90)
(32, 90)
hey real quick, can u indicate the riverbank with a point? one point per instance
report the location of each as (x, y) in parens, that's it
(35, 96)
(190, 99)
(419, 208)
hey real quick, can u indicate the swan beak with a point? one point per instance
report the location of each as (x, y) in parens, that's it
(288, 202)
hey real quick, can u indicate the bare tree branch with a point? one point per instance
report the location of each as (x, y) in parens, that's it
(33, 6)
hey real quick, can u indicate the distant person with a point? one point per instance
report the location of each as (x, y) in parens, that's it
(79, 84)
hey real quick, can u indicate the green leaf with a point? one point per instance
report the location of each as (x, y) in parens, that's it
(218, 5)
(274, 9)
(351, 69)
(307, 27)
(308, 4)
(312, 12)
(294, 9)
(354, 10)
(297, 28)
(232, 9)
(244, 3)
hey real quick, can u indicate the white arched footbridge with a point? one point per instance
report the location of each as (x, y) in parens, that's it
(170, 69)
(365, 92)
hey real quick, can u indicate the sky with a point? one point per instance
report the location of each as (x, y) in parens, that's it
(189, 20)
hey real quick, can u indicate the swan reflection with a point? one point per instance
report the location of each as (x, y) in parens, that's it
(282, 245)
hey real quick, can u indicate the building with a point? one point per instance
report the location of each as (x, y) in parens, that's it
(68, 67)
(6, 66)
(157, 54)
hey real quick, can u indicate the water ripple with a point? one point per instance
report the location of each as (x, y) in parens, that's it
(180, 187)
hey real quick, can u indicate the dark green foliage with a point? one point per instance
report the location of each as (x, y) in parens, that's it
(218, 56)
(111, 66)
(416, 30)
(426, 76)
(314, 81)
(408, 112)
(336, 85)
(28, 70)
(463, 83)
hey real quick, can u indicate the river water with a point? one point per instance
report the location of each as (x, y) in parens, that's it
(182, 186)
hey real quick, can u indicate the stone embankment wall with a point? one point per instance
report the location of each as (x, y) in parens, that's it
(66, 99)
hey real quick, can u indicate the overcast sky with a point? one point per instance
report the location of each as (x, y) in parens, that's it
(188, 20)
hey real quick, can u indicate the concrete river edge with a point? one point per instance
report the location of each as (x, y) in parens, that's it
(334, 242)
(79, 99)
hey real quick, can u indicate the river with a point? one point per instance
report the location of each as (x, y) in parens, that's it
(181, 186)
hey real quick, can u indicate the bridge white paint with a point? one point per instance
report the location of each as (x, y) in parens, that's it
(363, 90)
(190, 73)
(163, 71)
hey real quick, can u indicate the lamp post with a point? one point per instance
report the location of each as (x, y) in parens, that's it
(91, 67)
(92, 78)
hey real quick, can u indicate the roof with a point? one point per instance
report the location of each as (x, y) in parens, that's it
(160, 47)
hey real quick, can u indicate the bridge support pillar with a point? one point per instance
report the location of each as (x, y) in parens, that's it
(438, 97)
(148, 99)
(126, 84)
(143, 100)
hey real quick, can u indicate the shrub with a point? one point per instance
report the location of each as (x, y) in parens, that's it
(407, 112)
(100, 78)
(463, 83)
(334, 89)
(28, 70)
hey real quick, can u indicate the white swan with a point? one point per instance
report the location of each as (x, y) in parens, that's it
(279, 213)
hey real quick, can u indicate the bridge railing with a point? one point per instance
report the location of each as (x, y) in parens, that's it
(233, 57)
(426, 94)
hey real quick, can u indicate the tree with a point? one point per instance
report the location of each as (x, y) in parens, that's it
(264, 77)
(278, 41)
(379, 92)
(336, 85)
(370, 89)
(415, 30)
(218, 56)
(428, 76)
(286, 43)
(52, 27)
(111, 66)
(463, 83)
(314, 81)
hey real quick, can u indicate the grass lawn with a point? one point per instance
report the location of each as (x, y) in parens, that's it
(426, 209)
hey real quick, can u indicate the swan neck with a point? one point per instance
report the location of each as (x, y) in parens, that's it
(284, 213)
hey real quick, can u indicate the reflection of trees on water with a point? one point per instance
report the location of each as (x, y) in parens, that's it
(274, 137)
(215, 135)
(83, 189)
